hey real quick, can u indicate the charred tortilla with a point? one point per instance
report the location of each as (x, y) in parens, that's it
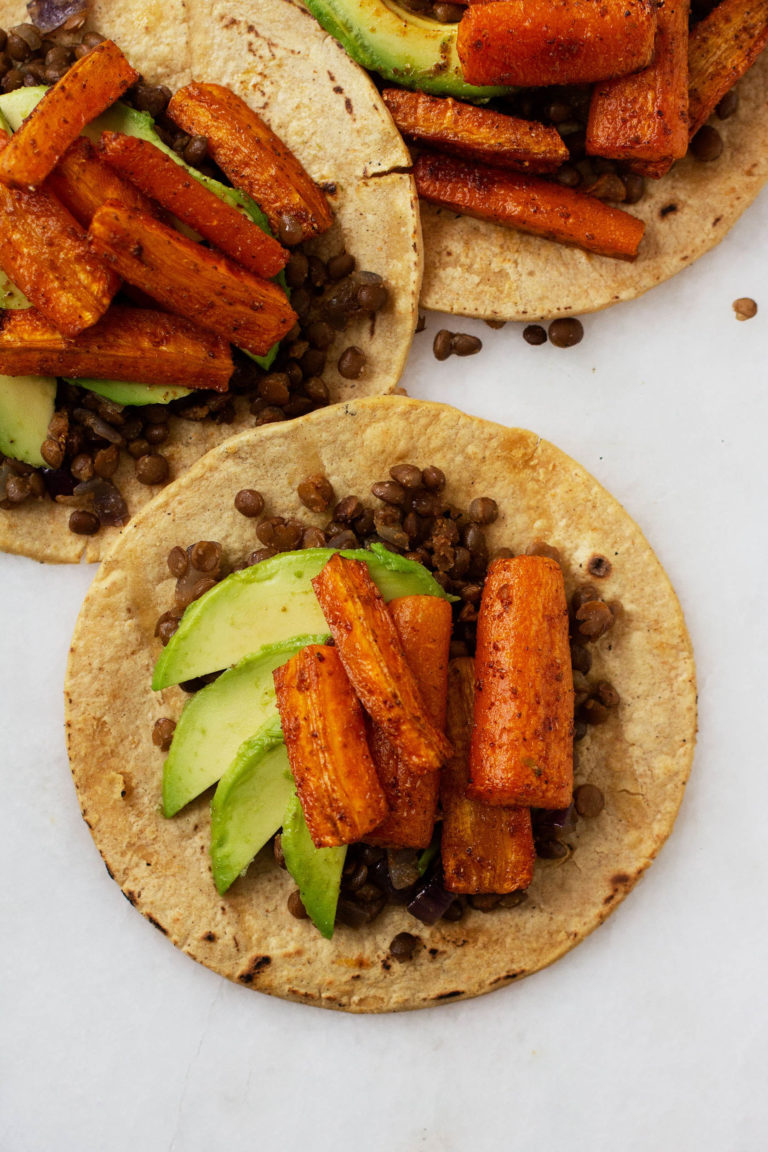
(328, 112)
(640, 758)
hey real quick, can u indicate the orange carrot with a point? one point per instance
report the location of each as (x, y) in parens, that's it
(721, 49)
(483, 848)
(522, 744)
(161, 178)
(253, 157)
(499, 140)
(644, 117)
(528, 204)
(529, 43)
(83, 183)
(374, 660)
(190, 280)
(325, 739)
(423, 624)
(90, 86)
(126, 344)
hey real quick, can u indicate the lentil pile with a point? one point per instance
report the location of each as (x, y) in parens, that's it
(410, 516)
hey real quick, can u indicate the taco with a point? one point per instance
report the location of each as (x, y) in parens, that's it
(473, 267)
(637, 761)
(328, 113)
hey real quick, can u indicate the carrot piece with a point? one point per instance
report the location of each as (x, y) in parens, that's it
(324, 735)
(83, 183)
(45, 253)
(529, 204)
(373, 657)
(90, 86)
(483, 848)
(522, 744)
(499, 140)
(720, 50)
(424, 625)
(190, 280)
(126, 344)
(530, 43)
(644, 117)
(158, 176)
(253, 157)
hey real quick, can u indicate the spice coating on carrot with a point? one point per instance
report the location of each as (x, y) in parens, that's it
(373, 657)
(721, 48)
(529, 204)
(91, 85)
(483, 848)
(83, 183)
(424, 625)
(522, 743)
(324, 733)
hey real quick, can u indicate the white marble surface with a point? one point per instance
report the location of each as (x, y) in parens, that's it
(650, 1036)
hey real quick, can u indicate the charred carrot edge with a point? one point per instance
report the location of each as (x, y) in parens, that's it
(423, 624)
(499, 140)
(721, 49)
(160, 178)
(253, 157)
(192, 281)
(373, 657)
(531, 43)
(83, 183)
(483, 849)
(126, 344)
(82, 94)
(528, 204)
(324, 736)
(522, 742)
(645, 117)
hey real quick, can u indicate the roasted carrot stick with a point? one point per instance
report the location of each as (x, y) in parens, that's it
(253, 157)
(126, 344)
(158, 176)
(483, 848)
(644, 117)
(528, 204)
(721, 49)
(499, 140)
(90, 86)
(423, 624)
(45, 253)
(522, 743)
(536, 42)
(324, 735)
(373, 657)
(83, 183)
(190, 280)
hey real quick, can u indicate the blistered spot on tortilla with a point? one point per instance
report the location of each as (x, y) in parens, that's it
(667, 210)
(210, 937)
(257, 965)
(156, 924)
(448, 995)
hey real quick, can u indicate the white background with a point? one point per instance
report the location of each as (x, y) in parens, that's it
(650, 1036)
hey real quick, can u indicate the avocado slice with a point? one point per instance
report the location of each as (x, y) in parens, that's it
(317, 871)
(216, 721)
(248, 805)
(268, 603)
(403, 48)
(127, 393)
(26, 407)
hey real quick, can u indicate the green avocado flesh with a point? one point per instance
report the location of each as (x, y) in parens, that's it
(249, 803)
(402, 47)
(317, 871)
(127, 393)
(26, 408)
(268, 603)
(218, 718)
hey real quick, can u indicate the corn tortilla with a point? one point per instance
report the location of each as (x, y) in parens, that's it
(640, 758)
(329, 113)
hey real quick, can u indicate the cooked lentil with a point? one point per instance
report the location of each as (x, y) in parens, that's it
(566, 332)
(249, 502)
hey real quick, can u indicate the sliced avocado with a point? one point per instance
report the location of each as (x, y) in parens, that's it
(317, 871)
(402, 47)
(268, 603)
(216, 721)
(26, 408)
(248, 805)
(127, 393)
